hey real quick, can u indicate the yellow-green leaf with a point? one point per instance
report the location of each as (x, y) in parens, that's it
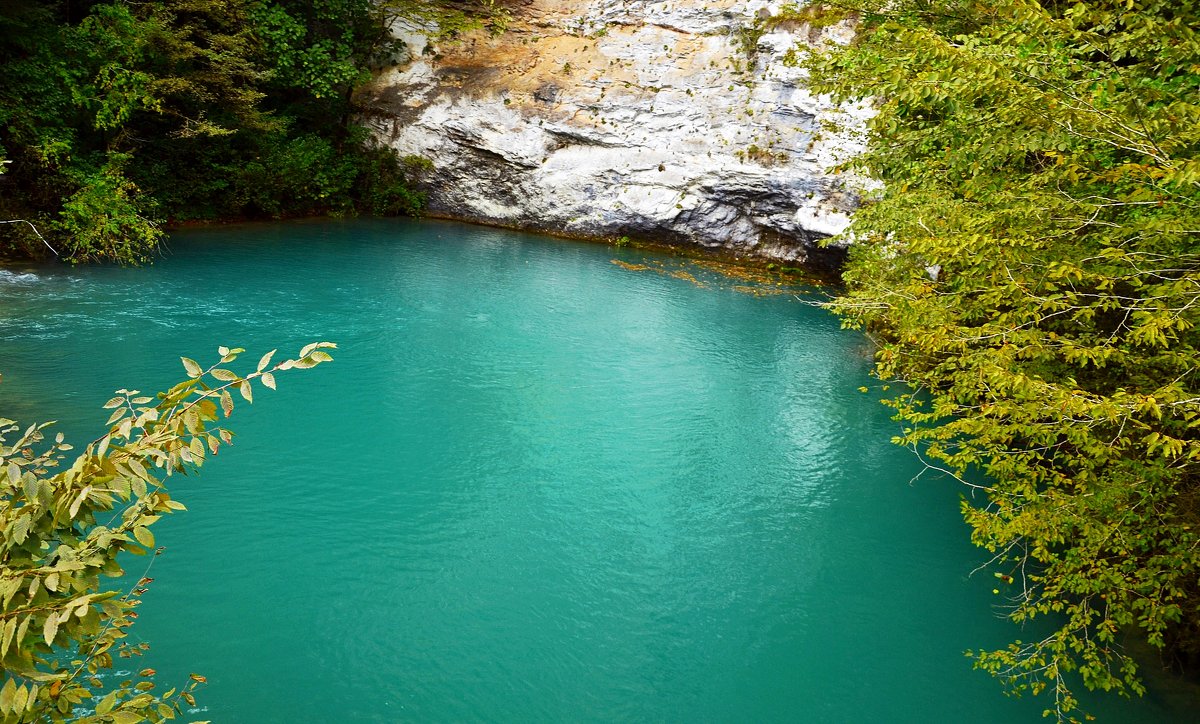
(144, 536)
(20, 698)
(49, 629)
(7, 694)
(192, 367)
(107, 703)
(224, 375)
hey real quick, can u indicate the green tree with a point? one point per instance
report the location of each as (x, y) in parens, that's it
(118, 115)
(65, 524)
(1031, 268)
(90, 85)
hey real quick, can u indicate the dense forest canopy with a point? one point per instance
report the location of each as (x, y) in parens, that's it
(117, 115)
(1031, 267)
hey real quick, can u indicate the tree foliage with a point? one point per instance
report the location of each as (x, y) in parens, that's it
(92, 88)
(66, 523)
(1031, 267)
(116, 116)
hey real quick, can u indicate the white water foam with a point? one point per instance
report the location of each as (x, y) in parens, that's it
(10, 277)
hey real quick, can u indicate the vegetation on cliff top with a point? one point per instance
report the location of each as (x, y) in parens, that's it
(1032, 269)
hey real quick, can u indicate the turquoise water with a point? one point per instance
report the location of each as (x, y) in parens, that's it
(533, 486)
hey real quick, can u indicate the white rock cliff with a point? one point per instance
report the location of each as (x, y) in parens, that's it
(610, 118)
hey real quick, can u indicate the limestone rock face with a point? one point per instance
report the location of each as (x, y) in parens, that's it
(668, 121)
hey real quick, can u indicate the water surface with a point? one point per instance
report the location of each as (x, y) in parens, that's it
(533, 486)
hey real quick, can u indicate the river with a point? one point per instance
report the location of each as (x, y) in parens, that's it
(534, 485)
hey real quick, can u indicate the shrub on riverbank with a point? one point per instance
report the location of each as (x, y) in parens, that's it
(115, 116)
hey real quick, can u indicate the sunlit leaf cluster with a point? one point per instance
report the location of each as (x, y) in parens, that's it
(69, 520)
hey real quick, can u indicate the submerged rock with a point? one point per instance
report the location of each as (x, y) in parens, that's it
(610, 118)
